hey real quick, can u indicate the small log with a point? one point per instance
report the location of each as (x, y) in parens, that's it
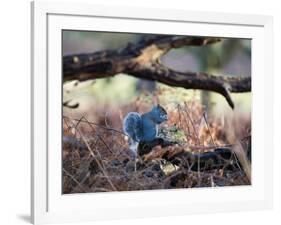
(218, 158)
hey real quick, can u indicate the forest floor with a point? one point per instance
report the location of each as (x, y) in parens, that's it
(97, 158)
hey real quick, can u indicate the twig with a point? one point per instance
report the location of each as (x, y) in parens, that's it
(187, 133)
(195, 131)
(209, 130)
(97, 161)
(98, 125)
(73, 106)
(76, 181)
(66, 123)
(108, 148)
(210, 147)
(94, 157)
(240, 153)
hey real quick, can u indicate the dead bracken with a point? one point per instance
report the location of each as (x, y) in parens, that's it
(195, 153)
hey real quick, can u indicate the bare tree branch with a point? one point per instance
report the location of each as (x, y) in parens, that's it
(143, 60)
(191, 80)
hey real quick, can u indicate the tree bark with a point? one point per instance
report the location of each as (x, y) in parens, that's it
(143, 60)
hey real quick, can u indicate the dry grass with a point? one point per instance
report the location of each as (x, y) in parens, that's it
(96, 155)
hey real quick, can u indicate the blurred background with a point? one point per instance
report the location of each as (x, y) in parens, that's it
(230, 57)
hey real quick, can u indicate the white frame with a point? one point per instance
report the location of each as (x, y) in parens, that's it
(48, 206)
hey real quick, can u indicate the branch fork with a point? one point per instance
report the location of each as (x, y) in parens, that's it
(143, 60)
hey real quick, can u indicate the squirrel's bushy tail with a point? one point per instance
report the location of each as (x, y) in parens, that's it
(132, 126)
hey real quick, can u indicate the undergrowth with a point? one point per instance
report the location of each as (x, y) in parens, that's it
(97, 158)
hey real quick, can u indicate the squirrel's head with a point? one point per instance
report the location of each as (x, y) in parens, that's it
(159, 114)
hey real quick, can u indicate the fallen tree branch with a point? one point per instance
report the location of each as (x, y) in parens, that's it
(143, 60)
(215, 158)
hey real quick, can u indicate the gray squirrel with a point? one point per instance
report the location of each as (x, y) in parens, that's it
(143, 128)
